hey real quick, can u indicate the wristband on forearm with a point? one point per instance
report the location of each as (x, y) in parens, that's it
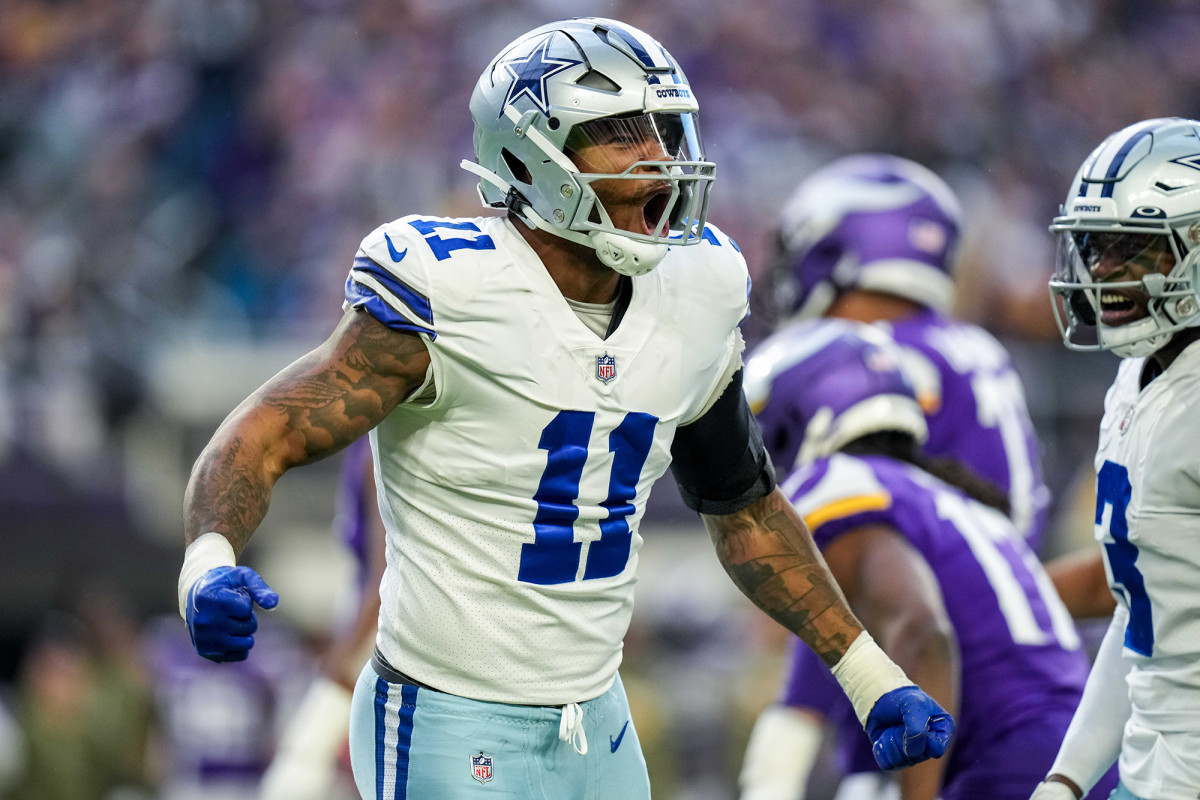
(866, 673)
(209, 551)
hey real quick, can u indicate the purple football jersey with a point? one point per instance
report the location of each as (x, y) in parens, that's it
(1023, 670)
(975, 407)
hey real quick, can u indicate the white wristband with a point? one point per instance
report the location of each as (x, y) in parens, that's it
(209, 551)
(866, 674)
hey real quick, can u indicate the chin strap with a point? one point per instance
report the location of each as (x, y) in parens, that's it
(619, 253)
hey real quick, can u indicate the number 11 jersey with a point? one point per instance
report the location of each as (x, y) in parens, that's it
(512, 498)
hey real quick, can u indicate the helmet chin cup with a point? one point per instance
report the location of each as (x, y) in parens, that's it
(618, 253)
(1134, 340)
(625, 255)
(1140, 349)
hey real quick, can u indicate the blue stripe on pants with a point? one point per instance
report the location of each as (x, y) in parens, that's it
(404, 730)
(381, 696)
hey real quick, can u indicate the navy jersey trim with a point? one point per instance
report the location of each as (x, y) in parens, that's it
(361, 296)
(418, 303)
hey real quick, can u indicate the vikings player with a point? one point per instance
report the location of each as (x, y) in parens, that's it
(872, 238)
(525, 379)
(927, 560)
(1126, 282)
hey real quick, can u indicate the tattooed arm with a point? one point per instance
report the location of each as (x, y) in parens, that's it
(318, 405)
(772, 558)
(313, 408)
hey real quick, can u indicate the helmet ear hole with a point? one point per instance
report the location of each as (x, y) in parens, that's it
(516, 167)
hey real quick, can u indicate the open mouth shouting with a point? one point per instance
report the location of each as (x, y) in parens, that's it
(1118, 307)
(654, 210)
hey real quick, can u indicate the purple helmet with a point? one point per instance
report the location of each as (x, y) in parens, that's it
(876, 222)
(818, 385)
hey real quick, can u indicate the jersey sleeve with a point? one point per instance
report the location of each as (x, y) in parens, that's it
(837, 495)
(722, 283)
(389, 279)
(732, 276)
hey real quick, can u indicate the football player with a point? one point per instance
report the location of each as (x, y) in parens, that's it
(1126, 282)
(524, 380)
(872, 238)
(926, 556)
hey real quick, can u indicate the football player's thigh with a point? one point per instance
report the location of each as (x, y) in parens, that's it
(613, 746)
(414, 744)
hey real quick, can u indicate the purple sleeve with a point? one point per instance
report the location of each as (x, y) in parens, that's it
(809, 683)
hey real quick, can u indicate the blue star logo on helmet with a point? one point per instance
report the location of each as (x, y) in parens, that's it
(529, 74)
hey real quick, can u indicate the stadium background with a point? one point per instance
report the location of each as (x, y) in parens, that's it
(183, 184)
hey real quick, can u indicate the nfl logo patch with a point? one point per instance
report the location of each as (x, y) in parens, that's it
(1125, 420)
(606, 367)
(481, 767)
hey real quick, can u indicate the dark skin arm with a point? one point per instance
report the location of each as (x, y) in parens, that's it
(1082, 584)
(316, 406)
(893, 591)
(772, 558)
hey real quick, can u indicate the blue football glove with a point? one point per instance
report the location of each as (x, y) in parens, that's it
(907, 726)
(220, 612)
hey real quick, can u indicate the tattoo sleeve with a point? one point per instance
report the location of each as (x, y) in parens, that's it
(771, 557)
(319, 404)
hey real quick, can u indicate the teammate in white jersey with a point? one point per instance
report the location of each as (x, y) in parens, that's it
(1126, 282)
(525, 379)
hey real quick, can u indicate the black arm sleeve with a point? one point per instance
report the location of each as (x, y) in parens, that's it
(719, 461)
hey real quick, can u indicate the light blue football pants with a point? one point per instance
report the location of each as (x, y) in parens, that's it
(408, 743)
(1122, 793)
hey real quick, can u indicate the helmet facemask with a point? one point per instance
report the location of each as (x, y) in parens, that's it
(1132, 318)
(1129, 241)
(648, 163)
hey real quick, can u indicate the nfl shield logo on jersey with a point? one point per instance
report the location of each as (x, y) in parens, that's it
(481, 767)
(1123, 426)
(606, 367)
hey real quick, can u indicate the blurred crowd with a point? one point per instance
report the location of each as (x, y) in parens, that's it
(176, 170)
(175, 167)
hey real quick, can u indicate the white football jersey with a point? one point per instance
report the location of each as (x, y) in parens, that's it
(1148, 522)
(512, 500)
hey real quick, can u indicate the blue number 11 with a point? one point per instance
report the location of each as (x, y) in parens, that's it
(1113, 489)
(553, 556)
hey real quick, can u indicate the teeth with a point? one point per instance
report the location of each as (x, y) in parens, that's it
(1111, 297)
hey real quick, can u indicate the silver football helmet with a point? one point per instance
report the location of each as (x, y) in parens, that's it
(592, 86)
(1135, 200)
